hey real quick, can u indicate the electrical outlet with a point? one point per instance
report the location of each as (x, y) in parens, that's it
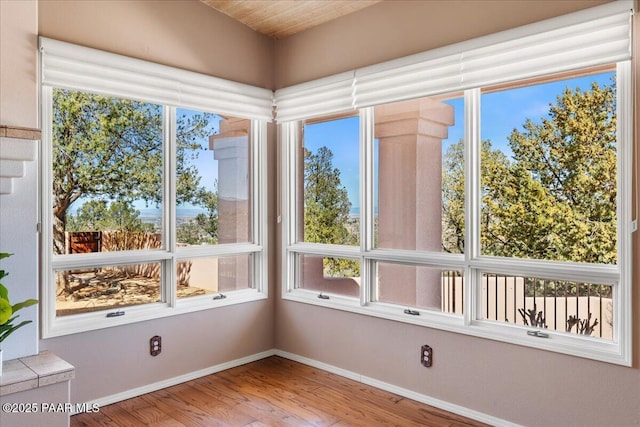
(426, 356)
(155, 345)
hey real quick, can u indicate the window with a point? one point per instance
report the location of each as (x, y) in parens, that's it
(549, 192)
(496, 203)
(149, 209)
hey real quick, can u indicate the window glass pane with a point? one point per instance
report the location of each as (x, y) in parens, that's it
(329, 274)
(559, 305)
(419, 175)
(201, 276)
(419, 286)
(213, 175)
(548, 171)
(107, 173)
(331, 200)
(90, 289)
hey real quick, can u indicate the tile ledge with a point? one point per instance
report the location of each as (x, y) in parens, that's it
(32, 372)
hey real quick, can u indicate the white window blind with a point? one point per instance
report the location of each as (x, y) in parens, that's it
(591, 37)
(600, 41)
(316, 98)
(70, 66)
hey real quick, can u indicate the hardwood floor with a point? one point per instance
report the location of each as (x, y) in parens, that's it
(270, 392)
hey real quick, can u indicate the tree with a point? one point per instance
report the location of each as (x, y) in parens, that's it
(326, 204)
(208, 221)
(572, 154)
(204, 227)
(100, 215)
(326, 208)
(112, 149)
(555, 198)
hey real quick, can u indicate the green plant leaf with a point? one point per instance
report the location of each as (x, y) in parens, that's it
(23, 304)
(5, 311)
(4, 292)
(5, 332)
(4, 255)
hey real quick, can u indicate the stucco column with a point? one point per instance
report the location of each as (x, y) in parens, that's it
(410, 135)
(231, 150)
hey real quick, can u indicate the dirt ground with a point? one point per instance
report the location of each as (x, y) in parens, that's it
(93, 290)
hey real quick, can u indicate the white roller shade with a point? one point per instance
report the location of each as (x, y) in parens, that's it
(595, 36)
(70, 66)
(595, 42)
(587, 38)
(319, 97)
(411, 77)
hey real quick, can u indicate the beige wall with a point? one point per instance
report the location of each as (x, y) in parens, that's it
(183, 34)
(192, 36)
(18, 211)
(518, 384)
(18, 58)
(398, 28)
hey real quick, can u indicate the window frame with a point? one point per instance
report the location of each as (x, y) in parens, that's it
(472, 263)
(170, 254)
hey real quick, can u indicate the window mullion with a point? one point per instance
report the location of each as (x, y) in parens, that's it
(472, 200)
(366, 204)
(46, 221)
(258, 210)
(289, 144)
(169, 278)
(622, 295)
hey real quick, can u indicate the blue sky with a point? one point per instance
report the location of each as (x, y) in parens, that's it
(504, 111)
(205, 163)
(501, 112)
(342, 138)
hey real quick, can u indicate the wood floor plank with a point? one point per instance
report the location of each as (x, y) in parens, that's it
(94, 419)
(152, 416)
(120, 416)
(180, 410)
(264, 409)
(271, 392)
(231, 415)
(284, 397)
(352, 409)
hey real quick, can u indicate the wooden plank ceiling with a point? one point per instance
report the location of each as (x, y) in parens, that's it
(281, 18)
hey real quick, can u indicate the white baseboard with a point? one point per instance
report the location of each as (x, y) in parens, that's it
(149, 388)
(422, 398)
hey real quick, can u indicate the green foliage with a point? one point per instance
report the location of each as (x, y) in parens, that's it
(190, 130)
(556, 198)
(453, 199)
(209, 222)
(98, 215)
(326, 202)
(204, 227)
(7, 310)
(572, 154)
(106, 148)
(326, 209)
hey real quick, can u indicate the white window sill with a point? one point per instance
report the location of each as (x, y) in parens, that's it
(85, 322)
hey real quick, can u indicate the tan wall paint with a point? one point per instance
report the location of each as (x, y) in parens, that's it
(192, 36)
(392, 29)
(183, 34)
(515, 383)
(18, 59)
(18, 211)
(518, 384)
